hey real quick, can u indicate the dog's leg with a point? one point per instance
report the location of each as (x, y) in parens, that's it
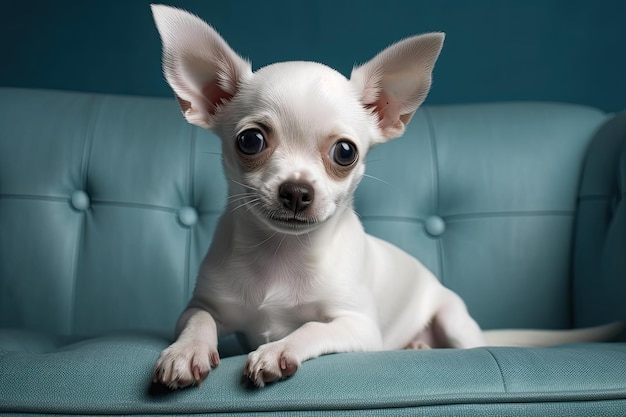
(281, 359)
(453, 326)
(189, 360)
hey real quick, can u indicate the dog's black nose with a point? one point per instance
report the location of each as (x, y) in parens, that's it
(296, 196)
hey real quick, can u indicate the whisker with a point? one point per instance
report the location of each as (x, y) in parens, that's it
(348, 206)
(264, 241)
(379, 180)
(248, 204)
(253, 205)
(308, 235)
(239, 197)
(280, 244)
(245, 185)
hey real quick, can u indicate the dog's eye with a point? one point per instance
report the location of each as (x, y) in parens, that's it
(251, 142)
(344, 153)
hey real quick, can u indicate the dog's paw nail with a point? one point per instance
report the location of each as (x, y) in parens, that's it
(157, 375)
(288, 367)
(215, 359)
(417, 346)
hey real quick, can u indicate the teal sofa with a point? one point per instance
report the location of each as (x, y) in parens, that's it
(108, 203)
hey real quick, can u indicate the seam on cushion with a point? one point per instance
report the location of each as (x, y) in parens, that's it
(33, 197)
(134, 205)
(210, 212)
(95, 104)
(63, 199)
(125, 204)
(86, 158)
(504, 386)
(528, 213)
(191, 166)
(435, 186)
(440, 257)
(393, 219)
(192, 203)
(435, 160)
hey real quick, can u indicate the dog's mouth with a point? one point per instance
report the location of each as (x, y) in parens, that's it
(292, 223)
(280, 219)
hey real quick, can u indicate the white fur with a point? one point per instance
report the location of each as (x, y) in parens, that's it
(317, 283)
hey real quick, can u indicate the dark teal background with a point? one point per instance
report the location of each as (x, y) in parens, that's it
(558, 50)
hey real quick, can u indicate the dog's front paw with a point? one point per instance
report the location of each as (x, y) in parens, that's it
(269, 363)
(185, 363)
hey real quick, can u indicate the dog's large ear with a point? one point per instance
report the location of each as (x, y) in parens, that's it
(201, 68)
(395, 82)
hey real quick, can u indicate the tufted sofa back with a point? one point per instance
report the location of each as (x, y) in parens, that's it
(108, 203)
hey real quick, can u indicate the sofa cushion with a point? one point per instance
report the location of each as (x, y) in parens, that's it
(111, 375)
(114, 201)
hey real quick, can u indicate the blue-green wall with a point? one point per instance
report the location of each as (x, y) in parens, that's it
(561, 50)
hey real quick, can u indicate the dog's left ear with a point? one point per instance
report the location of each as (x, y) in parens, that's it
(395, 82)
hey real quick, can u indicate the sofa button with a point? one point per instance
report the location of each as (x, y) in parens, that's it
(188, 216)
(435, 226)
(80, 200)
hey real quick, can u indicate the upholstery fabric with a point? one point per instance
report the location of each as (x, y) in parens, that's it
(504, 179)
(124, 260)
(599, 262)
(108, 204)
(111, 375)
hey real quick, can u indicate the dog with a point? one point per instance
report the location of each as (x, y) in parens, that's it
(290, 266)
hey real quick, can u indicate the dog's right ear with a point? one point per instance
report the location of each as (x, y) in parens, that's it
(201, 68)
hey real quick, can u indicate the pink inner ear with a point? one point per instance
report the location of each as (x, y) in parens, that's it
(387, 109)
(215, 97)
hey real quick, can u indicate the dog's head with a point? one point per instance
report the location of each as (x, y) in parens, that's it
(294, 134)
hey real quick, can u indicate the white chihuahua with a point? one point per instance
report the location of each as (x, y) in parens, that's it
(290, 266)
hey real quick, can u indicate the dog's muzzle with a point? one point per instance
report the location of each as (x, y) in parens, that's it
(296, 196)
(293, 213)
